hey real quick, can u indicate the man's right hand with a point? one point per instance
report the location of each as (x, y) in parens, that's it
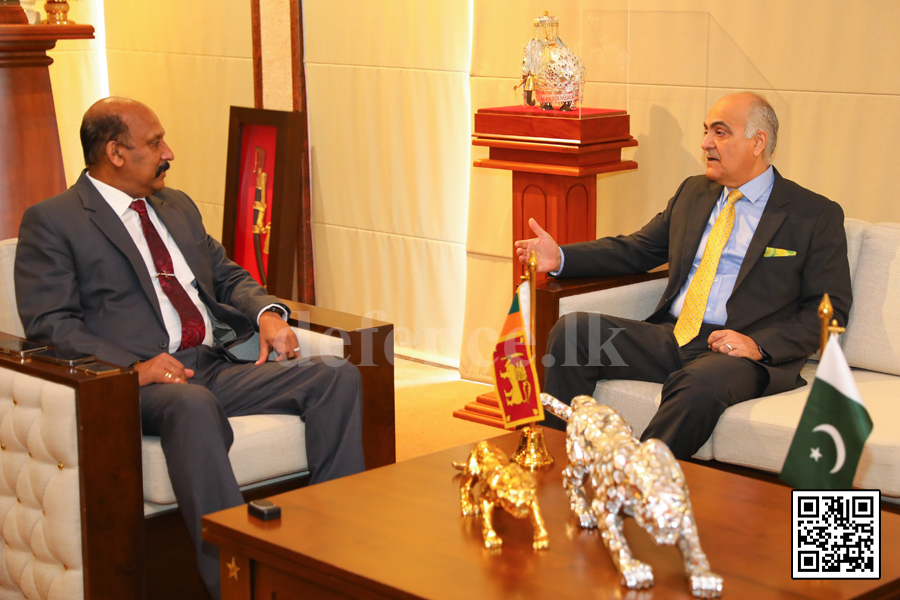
(546, 250)
(163, 368)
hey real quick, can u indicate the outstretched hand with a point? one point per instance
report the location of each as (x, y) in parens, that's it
(545, 248)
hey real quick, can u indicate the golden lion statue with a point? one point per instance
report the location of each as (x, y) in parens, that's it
(629, 478)
(502, 483)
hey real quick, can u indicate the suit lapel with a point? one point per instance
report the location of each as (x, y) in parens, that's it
(106, 219)
(701, 208)
(772, 218)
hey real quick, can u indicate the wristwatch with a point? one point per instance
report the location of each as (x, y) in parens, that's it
(766, 358)
(275, 309)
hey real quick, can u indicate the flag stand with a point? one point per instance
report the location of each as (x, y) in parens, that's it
(532, 452)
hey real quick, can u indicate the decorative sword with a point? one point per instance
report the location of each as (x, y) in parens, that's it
(260, 227)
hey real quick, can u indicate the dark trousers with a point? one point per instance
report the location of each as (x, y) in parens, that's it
(192, 422)
(698, 384)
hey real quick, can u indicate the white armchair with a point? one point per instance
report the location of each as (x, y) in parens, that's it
(86, 506)
(758, 433)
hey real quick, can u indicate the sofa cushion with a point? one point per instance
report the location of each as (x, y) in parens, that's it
(855, 228)
(265, 446)
(758, 433)
(637, 402)
(872, 340)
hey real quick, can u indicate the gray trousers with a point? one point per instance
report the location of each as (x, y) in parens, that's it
(698, 384)
(192, 422)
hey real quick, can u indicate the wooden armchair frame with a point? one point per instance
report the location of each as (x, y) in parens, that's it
(129, 556)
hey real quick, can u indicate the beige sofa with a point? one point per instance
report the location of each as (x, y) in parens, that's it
(758, 433)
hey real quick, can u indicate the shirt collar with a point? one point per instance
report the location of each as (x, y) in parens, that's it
(116, 198)
(754, 189)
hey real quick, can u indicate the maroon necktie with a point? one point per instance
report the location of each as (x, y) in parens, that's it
(192, 328)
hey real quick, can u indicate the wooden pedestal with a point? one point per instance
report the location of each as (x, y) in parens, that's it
(555, 158)
(565, 206)
(31, 165)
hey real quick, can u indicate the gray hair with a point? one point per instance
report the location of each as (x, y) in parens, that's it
(762, 117)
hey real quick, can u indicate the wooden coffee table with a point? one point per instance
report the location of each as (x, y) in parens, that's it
(397, 532)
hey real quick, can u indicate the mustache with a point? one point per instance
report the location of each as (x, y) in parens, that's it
(162, 168)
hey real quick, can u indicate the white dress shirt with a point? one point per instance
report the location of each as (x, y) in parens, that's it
(121, 203)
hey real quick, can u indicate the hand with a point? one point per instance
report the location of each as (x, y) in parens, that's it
(732, 343)
(276, 334)
(163, 368)
(546, 250)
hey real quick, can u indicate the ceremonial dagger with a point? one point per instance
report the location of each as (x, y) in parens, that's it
(259, 213)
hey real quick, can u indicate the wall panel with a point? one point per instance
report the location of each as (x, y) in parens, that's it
(388, 276)
(191, 94)
(78, 79)
(383, 163)
(389, 114)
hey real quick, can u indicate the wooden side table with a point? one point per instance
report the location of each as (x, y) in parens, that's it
(397, 532)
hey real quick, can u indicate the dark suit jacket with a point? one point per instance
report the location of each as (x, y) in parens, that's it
(81, 282)
(775, 300)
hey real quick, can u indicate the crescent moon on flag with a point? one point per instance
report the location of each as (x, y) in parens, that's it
(838, 443)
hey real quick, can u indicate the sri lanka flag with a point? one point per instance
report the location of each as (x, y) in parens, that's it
(515, 376)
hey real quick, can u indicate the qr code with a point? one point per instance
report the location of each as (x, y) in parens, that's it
(836, 534)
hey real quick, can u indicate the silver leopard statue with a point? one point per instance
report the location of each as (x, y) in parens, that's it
(629, 478)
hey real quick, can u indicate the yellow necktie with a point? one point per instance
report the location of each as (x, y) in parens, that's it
(692, 312)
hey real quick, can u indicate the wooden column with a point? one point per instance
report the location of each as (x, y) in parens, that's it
(31, 165)
(555, 158)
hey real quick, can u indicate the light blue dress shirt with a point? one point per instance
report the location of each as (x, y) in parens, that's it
(747, 212)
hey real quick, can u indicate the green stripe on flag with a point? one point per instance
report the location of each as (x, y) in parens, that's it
(515, 305)
(832, 432)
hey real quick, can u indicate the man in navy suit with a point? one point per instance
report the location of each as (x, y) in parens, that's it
(121, 267)
(737, 328)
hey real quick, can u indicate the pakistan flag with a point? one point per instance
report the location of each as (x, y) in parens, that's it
(832, 430)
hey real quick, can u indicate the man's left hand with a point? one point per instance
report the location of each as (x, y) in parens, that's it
(276, 334)
(732, 343)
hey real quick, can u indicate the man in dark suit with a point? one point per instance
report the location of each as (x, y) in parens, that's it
(121, 267)
(750, 255)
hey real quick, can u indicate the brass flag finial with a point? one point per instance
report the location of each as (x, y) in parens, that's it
(829, 323)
